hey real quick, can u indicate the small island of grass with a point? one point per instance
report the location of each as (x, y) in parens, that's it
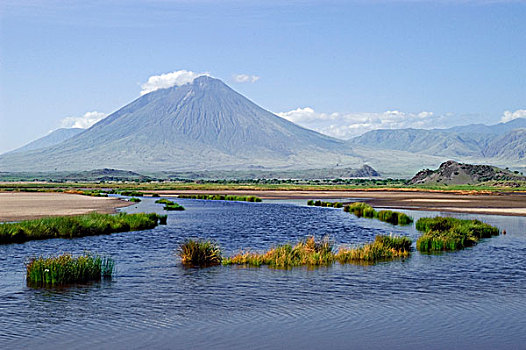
(169, 205)
(221, 197)
(307, 252)
(65, 269)
(448, 234)
(361, 209)
(319, 203)
(77, 226)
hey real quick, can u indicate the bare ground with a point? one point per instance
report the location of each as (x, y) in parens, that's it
(15, 206)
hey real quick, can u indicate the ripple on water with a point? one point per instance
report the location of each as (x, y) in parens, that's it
(471, 298)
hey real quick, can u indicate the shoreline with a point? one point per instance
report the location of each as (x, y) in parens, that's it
(509, 204)
(17, 206)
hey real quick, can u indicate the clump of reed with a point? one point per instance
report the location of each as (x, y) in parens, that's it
(173, 206)
(92, 193)
(75, 226)
(319, 203)
(127, 193)
(221, 197)
(361, 209)
(383, 248)
(164, 201)
(309, 251)
(66, 269)
(448, 234)
(169, 205)
(135, 200)
(199, 253)
(163, 219)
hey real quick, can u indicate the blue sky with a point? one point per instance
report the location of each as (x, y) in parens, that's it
(341, 67)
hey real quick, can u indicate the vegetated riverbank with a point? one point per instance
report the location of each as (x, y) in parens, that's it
(448, 234)
(77, 226)
(66, 269)
(309, 252)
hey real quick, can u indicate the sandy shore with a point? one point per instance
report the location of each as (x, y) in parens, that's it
(16, 206)
(499, 204)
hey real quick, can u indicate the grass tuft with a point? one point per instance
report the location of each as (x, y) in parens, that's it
(383, 248)
(200, 253)
(448, 234)
(65, 269)
(221, 197)
(361, 209)
(324, 204)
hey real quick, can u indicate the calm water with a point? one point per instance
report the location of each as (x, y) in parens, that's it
(475, 298)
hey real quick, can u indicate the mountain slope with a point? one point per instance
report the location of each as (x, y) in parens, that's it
(51, 139)
(504, 141)
(201, 125)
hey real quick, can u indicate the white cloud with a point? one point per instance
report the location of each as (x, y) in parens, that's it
(508, 116)
(245, 78)
(84, 122)
(163, 81)
(345, 126)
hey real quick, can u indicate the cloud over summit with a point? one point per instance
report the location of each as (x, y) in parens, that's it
(167, 80)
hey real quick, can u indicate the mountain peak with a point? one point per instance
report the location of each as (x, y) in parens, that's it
(196, 126)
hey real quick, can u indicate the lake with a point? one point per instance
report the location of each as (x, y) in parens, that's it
(470, 299)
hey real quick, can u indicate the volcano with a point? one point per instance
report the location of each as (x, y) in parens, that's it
(202, 125)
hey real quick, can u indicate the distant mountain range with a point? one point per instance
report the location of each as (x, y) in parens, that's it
(504, 142)
(205, 126)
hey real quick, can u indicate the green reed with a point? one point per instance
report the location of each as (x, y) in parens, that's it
(66, 269)
(75, 226)
(448, 234)
(361, 209)
(383, 248)
(319, 203)
(199, 253)
(221, 197)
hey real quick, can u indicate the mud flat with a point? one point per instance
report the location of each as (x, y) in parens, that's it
(16, 206)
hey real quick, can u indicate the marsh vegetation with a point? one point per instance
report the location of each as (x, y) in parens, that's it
(448, 234)
(221, 197)
(307, 252)
(199, 253)
(319, 203)
(66, 269)
(361, 209)
(75, 226)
